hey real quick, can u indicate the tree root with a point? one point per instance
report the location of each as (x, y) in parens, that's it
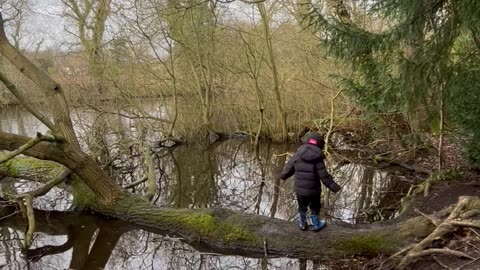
(449, 225)
(445, 251)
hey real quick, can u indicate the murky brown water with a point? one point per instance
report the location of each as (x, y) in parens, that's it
(224, 174)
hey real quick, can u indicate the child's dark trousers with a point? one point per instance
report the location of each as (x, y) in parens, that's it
(304, 202)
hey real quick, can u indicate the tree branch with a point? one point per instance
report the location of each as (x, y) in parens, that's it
(72, 157)
(60, 110)
(47, 187)
(23, 101)
(28, 200)
(31, 169)
(136, 183)
(26, 146)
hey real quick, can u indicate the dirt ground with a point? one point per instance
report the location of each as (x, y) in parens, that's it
(466, 240)
(466, 182)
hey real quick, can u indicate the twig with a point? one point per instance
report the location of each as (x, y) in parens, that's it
(265, 248)
(134, 184)
(467, 264)
(45, 188)
(401, 252)
(432, 219)
(284, 154)
(330, 126)
(379, 158)
(9, 215)
(152, 183)
(470, 213)
(475, 232)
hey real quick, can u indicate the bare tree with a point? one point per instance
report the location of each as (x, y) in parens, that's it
(90, 17)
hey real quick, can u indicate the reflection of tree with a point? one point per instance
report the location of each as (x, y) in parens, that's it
(195, 169)
(99, 243)
(277, 169)
(366, 186)
(80, 231)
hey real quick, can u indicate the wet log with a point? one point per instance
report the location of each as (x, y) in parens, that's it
(229, 232)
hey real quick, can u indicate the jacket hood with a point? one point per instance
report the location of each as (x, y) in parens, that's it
(310, 153)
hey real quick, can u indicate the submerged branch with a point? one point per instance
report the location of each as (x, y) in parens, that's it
(28, 200)
(31, 221)
(151, 181)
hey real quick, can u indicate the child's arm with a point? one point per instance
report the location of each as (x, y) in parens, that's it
(326, 178)
(289, 168)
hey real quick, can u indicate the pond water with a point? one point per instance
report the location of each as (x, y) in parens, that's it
(223, 174)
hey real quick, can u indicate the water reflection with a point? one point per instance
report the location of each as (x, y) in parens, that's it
(89, 242)
(224, 174)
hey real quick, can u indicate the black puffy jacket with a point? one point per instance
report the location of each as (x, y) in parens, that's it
(309, 169)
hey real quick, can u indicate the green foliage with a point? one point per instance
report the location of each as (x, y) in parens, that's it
(413, 57)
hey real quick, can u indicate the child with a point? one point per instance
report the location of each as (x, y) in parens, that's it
(309, 169)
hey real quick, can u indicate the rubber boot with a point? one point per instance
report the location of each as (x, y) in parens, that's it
(302, 222)
(317, 224)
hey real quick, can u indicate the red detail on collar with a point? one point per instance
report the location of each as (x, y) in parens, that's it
(312, 141)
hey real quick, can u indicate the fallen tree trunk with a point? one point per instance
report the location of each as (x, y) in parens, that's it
(229, 232)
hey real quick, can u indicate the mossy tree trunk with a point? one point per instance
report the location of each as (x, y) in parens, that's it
(229, 232)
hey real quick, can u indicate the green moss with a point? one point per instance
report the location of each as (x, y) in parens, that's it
(208, 225)
(368, 245)
(30, 168)
(203, 223)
